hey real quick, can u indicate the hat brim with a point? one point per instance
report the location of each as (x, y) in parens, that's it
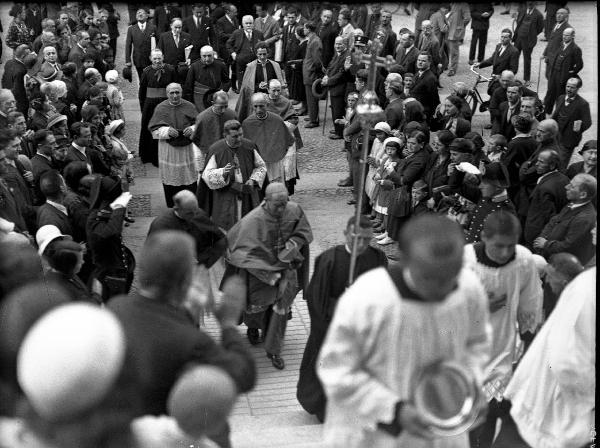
(318, 90)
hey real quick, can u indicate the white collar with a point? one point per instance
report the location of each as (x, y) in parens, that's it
(572, 205)
(58, 206)
(44, 156)
(79, 148)
(545, 175)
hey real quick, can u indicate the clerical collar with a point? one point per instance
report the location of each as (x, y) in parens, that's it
(262, 118)
(483, 258)
(573, 205)
(58, 206)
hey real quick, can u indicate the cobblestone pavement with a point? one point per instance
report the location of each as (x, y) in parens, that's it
(270, 416)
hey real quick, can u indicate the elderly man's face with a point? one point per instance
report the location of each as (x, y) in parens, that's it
(176, 27)
(528, 107)
(573, 190)
(326, 17)
(339, 45)
(261, 55)
(260, 108)
(220, 104)
(156, 58)
(85, 40)
(207, 57)
(50, 55)
(504, 80)
(276, 204)
(187, 210)
(275, 90)
(572, 88)
(427, 30)
(248, 24)
(174, 95)
(543, 163)
(8, 104)
(543, 134)
(568, 36)
(561, 15)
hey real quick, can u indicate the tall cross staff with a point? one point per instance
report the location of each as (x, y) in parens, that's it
(367, 110)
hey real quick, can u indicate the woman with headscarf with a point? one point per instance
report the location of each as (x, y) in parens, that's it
(113, 261)
(152, 92)
(56, 91)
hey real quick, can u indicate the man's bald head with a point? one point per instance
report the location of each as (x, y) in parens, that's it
(275, 188)
(274, 83)
(173, 86)
(259, 98)
(185, 204)
(166, 265)
(276, 199)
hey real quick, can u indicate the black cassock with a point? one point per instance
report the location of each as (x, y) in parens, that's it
(328, 283)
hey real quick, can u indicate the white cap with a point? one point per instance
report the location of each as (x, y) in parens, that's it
(383, 126)
(45, 235)
(70, 359)
(111, 76)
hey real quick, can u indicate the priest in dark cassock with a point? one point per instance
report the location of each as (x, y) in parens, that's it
(204, 75)
(282, 106)
(235, 173)
(172, 124)
(328, 283)
(152, 92)
(256, 79)
(271, 135)
(209, 129)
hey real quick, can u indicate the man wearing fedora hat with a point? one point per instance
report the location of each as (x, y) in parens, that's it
(493, 197)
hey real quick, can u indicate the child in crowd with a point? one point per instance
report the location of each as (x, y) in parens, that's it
(120, 157)
(419, 196)
(389, 164)
(114, 95)
(374, 160)
(496, 148)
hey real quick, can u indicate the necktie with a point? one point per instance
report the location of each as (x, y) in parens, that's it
(249, 35)
(557, 26)
(501, 51)
(177, 41)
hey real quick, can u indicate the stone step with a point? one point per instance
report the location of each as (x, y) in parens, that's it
(295, 429)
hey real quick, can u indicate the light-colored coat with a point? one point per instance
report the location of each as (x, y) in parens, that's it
(460, 16)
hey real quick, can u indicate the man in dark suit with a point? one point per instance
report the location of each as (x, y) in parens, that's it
(567, 64)
(200, 29)
(480, 24)
(507, 109)
(80, 48)
(327, 30)
(429, 43)
(81, 150)
(173, 44)
(406, 53)
(53, 211)
(163, 16)
(139, 38)
(312, 67)
(225, 27)
(530, 23)
(504, 57)
(13, 77)
(572, 113)
(394, 111)
(204, 75)
(290, 42)
(552, 13)
(555, 38)
(425, 89)
(161, 328)
(547, 198)
(335, 80)
(42, 161)
(570, 230)
(241, 45)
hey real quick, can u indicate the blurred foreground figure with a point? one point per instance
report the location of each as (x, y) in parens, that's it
(390, 329)
(552, 390)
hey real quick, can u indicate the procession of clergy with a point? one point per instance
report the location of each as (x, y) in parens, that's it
(486, 316)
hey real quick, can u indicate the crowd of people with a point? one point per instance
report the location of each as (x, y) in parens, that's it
(496, 235)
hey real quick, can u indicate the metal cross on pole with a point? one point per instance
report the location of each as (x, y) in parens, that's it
(367, 109)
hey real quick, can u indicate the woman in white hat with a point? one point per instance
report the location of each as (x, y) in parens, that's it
(114, 95)
(120, 156)
(375, 158)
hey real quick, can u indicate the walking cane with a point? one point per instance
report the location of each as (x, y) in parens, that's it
(325, 117)
(537, 89)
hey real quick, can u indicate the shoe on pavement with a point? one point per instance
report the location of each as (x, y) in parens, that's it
(471, 61)
(306, 118)
(382, 236)
(332, 131)
(276, 360)
(335, 137)
(377, 223)
(302, 112)
(311, 124)
(385, 241)
(253, 335)
(351, 202)
(505, 12)
(345, 183)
